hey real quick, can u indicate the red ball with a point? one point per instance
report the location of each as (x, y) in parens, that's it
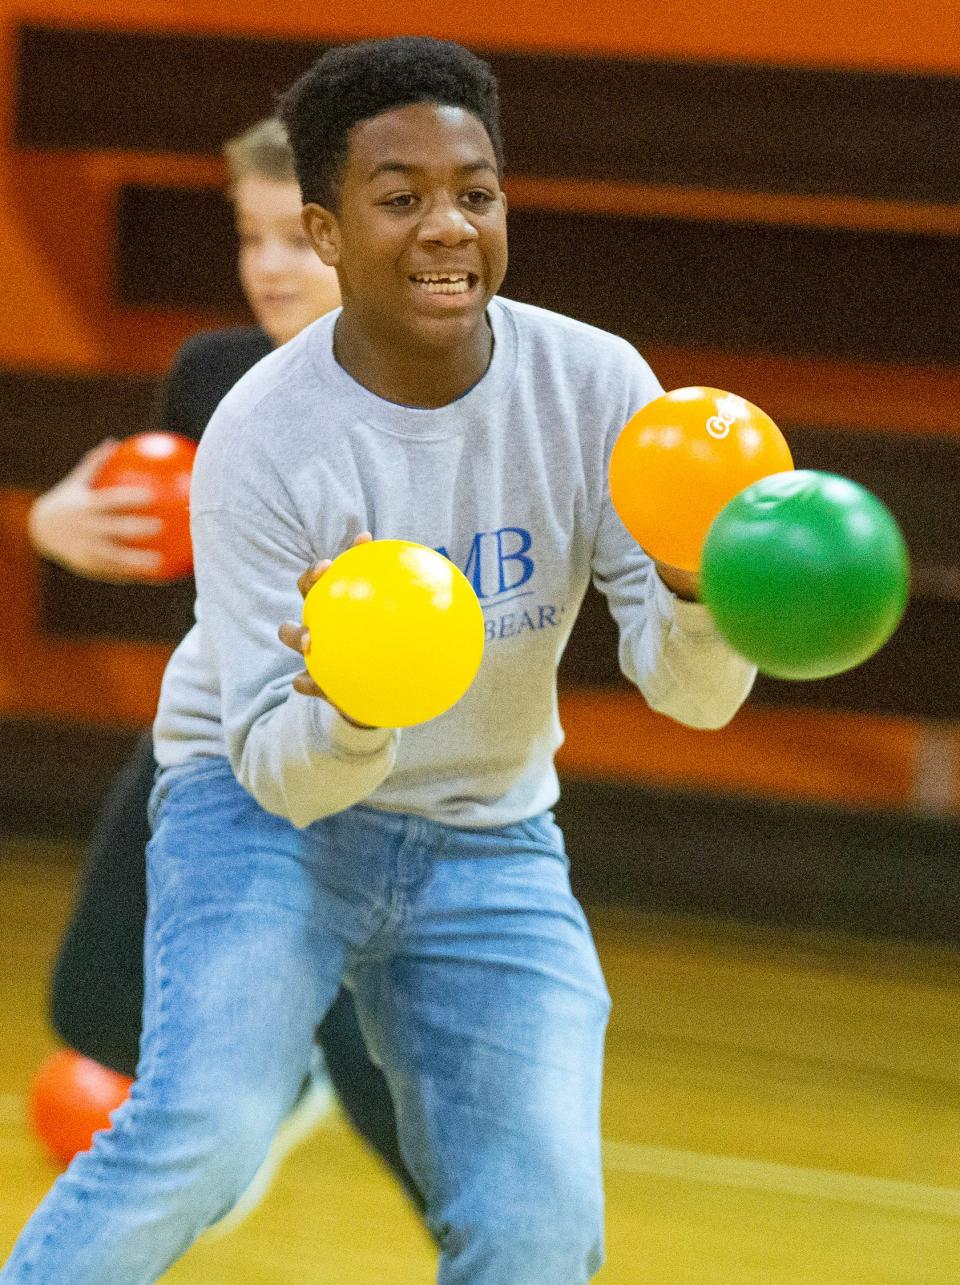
(70, 1099)
(161, 463)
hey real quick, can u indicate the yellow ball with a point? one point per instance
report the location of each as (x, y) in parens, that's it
(396, 633)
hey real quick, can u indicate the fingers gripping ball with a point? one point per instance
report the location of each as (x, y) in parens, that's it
(806, 574)
(70, 1099)
(396, 633)
(162, 463)
(680, 459)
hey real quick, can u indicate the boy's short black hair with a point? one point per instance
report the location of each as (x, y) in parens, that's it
(355, 82)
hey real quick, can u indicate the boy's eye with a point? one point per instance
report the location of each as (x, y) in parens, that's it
(479, 196)
(401, 201)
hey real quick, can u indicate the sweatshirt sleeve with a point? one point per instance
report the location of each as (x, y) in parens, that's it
(669, 648)
(295, 754)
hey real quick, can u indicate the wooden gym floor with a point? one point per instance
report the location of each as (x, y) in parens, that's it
(780, 1108)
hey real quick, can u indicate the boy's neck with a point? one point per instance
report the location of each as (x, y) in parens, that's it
(424, 378)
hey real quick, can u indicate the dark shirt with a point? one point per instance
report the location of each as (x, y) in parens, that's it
(203, 372)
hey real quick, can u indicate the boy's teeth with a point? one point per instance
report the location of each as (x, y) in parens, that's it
(444, 287)
(442, 283)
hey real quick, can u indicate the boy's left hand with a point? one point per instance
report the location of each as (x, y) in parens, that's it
(685, 584)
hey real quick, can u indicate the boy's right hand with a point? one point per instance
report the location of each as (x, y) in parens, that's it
(86, 529)
(295, 635)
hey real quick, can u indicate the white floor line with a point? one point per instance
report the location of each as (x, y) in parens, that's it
(730, 1171)
(791, 1180)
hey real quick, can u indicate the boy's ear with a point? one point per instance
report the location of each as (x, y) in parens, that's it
(322, 232)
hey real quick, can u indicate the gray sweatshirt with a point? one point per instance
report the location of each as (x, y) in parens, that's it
(509, 481)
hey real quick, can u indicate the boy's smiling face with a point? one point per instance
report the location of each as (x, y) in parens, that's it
(419, 240)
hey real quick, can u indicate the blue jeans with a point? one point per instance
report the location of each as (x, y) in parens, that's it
(479, 992)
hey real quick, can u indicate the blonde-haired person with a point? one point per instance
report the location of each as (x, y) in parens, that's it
(286, 285)
(97, 990)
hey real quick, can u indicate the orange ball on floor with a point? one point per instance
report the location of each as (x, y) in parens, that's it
(70, 1099)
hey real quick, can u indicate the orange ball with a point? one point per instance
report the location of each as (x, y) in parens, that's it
(70, 1099)
(680, 459)
(162, 463)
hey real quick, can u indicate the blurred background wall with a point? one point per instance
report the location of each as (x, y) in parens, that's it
(762, 198)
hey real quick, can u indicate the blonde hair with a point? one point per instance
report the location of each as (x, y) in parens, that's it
(262, 150)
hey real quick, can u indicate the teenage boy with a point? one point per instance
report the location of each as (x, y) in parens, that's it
(293, 848)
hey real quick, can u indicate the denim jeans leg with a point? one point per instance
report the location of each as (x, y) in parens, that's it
(236, 983)
(489, 1019)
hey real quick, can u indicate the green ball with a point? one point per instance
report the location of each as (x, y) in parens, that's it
(806, 574)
